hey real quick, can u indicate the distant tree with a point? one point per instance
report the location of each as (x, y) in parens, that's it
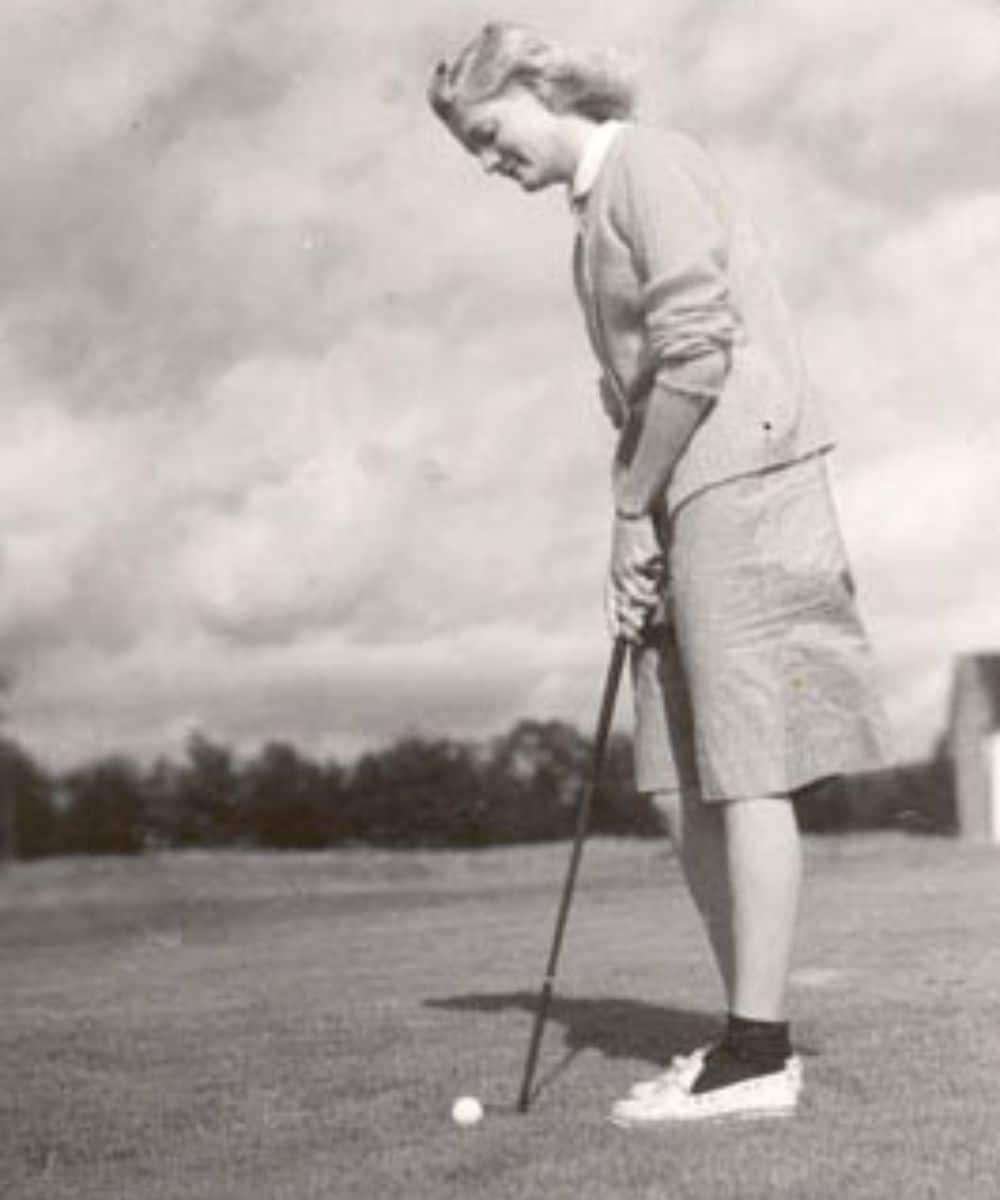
(30, 828)
(341, 809)
(162, 796)
(105, 812)
(535, 775)
(418, 792)
(8, 821)
(619, 808)
(926, 796)
(285, 800)
(207, 795)
(8, 815)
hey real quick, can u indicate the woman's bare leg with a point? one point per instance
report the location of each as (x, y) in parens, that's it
(698, 834)
(764, 858)
(742, 862)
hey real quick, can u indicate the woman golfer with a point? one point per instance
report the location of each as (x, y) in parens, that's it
(751, 670)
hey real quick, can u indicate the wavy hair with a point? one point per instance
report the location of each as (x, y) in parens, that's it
(593, 84)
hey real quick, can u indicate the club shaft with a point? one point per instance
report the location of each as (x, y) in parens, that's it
(611, 683)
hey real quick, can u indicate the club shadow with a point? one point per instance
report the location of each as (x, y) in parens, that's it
(617, 1028)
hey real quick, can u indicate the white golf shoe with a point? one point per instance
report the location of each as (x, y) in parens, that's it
(682, 1072)
(764, 1096)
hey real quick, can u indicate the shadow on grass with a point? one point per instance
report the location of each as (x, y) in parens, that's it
(617, 1028)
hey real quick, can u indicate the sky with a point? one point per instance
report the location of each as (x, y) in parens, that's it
(299, 435)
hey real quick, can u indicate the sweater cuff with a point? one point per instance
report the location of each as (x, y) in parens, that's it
(698, 378)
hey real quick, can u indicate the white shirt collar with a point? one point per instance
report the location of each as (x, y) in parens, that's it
(595, 151)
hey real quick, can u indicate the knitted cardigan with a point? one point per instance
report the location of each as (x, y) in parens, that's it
(668, 269)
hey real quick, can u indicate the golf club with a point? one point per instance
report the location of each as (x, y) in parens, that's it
(611, 682)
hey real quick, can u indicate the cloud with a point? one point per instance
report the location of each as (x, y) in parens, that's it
(300, 434)
(75, 75)
(875, 97)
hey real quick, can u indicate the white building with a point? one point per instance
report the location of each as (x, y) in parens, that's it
(974, 745)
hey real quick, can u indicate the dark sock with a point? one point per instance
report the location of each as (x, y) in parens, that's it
(749, 1049)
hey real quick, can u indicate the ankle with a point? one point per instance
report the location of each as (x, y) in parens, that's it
(758, 1039)
(747, 1050)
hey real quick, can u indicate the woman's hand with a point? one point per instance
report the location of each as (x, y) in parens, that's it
(635, 578)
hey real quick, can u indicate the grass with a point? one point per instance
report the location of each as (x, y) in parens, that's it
(289, 1027)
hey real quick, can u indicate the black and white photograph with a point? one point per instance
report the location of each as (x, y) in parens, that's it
(499, 600)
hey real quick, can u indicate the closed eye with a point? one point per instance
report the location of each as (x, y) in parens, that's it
(482, 137)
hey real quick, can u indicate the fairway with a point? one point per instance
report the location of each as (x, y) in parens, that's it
(293, 1027)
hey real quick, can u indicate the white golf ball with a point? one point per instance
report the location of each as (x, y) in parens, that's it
(466, 1111)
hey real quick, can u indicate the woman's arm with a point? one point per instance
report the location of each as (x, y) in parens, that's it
(679, 249)
(654, 438)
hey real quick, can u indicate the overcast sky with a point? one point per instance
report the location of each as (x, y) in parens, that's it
(299, 436)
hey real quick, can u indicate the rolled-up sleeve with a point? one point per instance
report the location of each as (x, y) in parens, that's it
(679, 244)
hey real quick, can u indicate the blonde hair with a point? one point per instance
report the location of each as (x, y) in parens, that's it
(593, 84)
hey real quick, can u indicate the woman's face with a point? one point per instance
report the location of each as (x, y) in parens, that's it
(515, 135)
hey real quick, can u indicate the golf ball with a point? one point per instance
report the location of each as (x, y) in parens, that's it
(466, 1111)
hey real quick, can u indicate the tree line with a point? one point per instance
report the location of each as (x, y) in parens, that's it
(522, 786)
